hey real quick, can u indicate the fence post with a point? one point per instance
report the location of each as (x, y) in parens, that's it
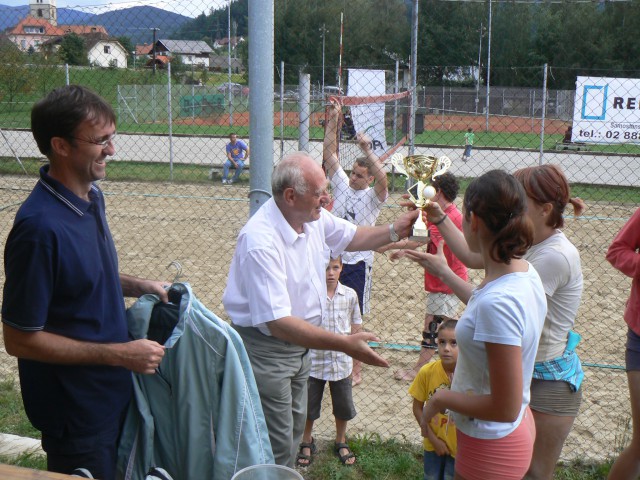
(303, 90)
(170, 121)
(395, 123)
(282, 109)
(544, 113)
(414, 77)
(261, 24)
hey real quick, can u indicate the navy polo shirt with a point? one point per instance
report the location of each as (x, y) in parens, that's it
(62, 277)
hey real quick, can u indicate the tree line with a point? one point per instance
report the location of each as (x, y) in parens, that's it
(587, 38)
(574, 38)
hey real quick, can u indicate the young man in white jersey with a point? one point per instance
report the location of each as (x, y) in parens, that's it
(355, 201)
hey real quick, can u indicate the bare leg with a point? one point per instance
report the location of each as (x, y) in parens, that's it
(551, 432)
(627, 466)
(341, 437)
(307, 437)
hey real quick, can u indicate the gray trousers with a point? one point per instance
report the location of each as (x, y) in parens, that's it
(281, 370)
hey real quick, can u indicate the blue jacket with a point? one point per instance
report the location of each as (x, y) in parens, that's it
(199, 417)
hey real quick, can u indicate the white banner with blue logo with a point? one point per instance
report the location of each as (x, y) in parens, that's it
(369, 118)
(606, 110)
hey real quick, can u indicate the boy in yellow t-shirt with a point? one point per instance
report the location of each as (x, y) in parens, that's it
(440, 434)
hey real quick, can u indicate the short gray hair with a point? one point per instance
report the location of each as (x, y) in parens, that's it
(289, 174)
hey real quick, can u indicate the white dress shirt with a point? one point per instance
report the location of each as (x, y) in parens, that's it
(276, 272)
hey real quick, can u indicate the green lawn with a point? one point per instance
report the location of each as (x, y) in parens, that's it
(376, 457)
(187, 173)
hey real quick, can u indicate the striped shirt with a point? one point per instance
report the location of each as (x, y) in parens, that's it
(342, 311)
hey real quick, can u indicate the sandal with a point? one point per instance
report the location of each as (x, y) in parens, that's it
(346, 456)
(308, 458)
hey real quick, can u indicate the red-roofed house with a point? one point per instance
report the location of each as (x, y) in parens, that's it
(32, 32)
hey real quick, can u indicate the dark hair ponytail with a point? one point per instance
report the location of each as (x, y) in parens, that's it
(499, 200)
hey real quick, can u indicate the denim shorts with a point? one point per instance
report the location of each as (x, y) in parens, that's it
(632, 353)
(438, 467)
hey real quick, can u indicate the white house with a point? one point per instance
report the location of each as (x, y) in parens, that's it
(190, 52)
(106, 52)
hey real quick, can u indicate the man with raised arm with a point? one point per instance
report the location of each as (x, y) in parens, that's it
(355, 201)
(276, 292)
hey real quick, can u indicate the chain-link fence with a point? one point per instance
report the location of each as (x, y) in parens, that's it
(166, 201)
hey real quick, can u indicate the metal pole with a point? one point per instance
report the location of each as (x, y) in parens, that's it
(281, 109)
(324, 31)
(170, 121)
(395, 123)
(488, 69)
(303, 90)
(155, 31)
(479, 69)
(340, 59)
(544, 113)
(66, 74)
(229, 65)
(414, 77)
(261, 25)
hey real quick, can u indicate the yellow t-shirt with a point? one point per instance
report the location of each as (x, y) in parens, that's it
(428, 381)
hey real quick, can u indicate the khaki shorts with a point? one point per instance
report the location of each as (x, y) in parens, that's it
(554, 397)
(443, 304)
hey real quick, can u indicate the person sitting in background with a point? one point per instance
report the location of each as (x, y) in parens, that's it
(237, 155)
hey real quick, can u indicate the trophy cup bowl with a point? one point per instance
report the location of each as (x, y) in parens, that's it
(422, 169)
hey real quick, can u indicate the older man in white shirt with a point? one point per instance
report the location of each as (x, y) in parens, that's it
(276, 292)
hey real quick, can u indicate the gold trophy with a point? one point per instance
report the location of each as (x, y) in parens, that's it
(422, 169)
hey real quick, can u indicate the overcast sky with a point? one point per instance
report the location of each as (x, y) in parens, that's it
(191, 8)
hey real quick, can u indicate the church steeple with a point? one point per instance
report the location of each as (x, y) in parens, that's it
(45, 9)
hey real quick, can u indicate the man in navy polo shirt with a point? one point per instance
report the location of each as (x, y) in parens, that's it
(63, 309)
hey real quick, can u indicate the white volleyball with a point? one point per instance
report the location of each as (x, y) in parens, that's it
(429, 192)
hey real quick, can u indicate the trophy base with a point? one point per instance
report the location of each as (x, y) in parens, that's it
(419, 235)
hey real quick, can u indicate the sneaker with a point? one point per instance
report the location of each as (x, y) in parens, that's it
(231, 181)
(224, 181)
(81, 472)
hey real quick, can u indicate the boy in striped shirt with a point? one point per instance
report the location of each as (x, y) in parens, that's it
(342, 316)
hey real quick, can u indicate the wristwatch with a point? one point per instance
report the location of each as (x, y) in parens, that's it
(392, 233)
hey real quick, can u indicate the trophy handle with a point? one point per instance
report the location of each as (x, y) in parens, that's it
(397, 160)
(444, 163)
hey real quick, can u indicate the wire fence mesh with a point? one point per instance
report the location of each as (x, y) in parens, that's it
(166, 201)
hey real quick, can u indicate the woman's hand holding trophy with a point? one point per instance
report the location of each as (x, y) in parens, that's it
(422, 169)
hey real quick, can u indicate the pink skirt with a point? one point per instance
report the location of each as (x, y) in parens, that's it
(505, 458)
